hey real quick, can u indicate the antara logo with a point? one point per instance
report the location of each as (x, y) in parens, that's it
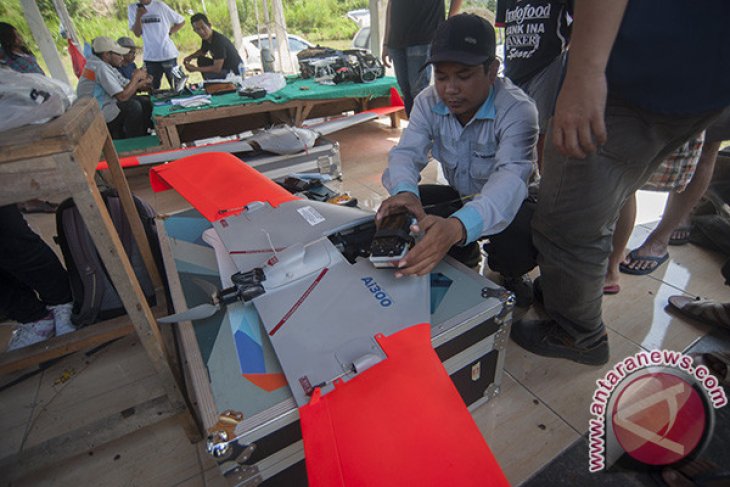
(377, 291)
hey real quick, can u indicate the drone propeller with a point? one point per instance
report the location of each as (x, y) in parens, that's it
(246, 286)
(199, 312)
(206, 286)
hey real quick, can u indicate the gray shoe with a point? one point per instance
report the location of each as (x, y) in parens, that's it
(62, 317)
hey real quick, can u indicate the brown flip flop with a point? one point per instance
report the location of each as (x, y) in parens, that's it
(704, 310)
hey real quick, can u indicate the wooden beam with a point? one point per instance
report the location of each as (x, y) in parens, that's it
(94, 213)
(86, 438)
(377, 26)
(196, 373)
(66, 21)
(44, 40)
(282, 48)
(82, 339)
(130, 209)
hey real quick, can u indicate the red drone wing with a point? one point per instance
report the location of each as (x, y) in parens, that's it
(217, 184)
(401, 422)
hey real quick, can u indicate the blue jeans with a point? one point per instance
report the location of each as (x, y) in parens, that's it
(157, 68)
(407, 63)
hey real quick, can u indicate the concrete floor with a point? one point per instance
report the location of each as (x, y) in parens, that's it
(542, 409)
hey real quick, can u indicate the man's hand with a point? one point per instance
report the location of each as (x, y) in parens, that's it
(188, 63)
(440, 234)
(140, 76)
(578, 124)
(145, 84)
(141, 10)
(397, 203)
(386, 56)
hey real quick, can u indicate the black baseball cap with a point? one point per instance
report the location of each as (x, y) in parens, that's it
(465, 38)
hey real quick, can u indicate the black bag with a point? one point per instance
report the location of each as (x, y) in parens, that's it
(95, 298)
(350, 65)
(361, 67)
(311, 55)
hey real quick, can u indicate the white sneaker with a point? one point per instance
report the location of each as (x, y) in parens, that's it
(62, 316)
(35, 331)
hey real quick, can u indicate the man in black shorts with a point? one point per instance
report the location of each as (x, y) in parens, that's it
(225, 58)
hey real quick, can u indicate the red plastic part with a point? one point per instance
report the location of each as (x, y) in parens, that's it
(78, 61)
(401, 422)
(395, 99)
(130, 161)
(217, 184)
(396, 105)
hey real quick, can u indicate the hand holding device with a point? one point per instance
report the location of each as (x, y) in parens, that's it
(392, 239)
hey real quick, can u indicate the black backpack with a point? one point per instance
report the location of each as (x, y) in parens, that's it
(95, 298)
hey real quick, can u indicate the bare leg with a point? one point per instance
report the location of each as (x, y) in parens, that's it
(678, 209)
(621, 235)
(698, 185)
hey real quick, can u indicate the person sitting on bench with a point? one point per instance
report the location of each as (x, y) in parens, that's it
(126, 113)
(225, 58)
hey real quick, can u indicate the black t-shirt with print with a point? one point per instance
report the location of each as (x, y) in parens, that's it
(536, 32)
(221, 48)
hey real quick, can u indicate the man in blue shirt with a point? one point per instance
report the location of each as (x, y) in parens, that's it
(482, 129)
(128, 66)
(626, 103)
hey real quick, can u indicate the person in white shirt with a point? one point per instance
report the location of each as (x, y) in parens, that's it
(482, 130)
(155, 22)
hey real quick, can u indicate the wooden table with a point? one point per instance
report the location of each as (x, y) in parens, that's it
(61, 156)
(176, 128)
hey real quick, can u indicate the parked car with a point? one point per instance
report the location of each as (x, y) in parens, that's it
(362, 18)
(250, 50)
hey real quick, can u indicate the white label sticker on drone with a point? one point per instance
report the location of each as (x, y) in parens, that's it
(311, 215)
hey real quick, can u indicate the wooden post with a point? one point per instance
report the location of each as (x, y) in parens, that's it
(125, 196)
(45, 42)
(235, 23)
(377, 26)
(282, 45)
(66, 21)
(269, 29)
